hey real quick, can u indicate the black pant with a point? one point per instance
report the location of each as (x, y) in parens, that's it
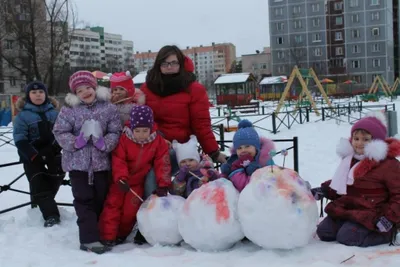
(45, 179)
(88, 202)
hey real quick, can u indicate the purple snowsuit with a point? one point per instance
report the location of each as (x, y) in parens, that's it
(88, 167)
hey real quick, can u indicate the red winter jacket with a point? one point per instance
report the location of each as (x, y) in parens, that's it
(375, 192)
(132, 161)
(180, 115)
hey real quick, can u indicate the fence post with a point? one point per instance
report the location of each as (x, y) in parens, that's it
(301, 115)
(296, 153)
(323, 113)
(274, 130)
(394, 106)
(222, 136)
(308, 114)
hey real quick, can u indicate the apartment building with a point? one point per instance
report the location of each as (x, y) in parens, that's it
(93, 48)
(260, 63)
(210, 61)
(351, 39)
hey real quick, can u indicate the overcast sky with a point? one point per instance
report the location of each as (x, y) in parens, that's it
(154, 23)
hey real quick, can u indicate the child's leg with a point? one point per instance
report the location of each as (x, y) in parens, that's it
(101, 187)
(327, 230)
(110, 218)
(55, 173)
(85, 207)
(42, 190)
(354, 234)
(129, 211)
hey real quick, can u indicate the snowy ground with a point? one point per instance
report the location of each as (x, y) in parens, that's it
(25, 243)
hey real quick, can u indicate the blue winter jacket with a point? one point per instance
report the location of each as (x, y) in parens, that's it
(33, 127)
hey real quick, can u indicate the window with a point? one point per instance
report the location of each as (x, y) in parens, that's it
(278, 11)
(297, 24)
(296, 9)
(13, 81)
(9, 44)
(338, 6)
(279, 40)
(315, 22)
(316, 37)
(357, 78)
(376, 47)
(355, 18)
(376, 63)
(375, 15)
(356, 49)
(353, 3)
(281, 69)
(315, 7)
(374, 2)
(356, 64)
(355, 33)
(281, 54)
(280, 26)
(338, 36)
(375, 31)
(339, 51)
(317, 52)
(298, 39)
(339, 20)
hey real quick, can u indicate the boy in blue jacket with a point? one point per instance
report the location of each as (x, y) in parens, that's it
(37, 148)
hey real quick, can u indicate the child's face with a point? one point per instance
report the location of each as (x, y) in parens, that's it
(86, 94)
(118, 93)
(37, 97)
(141, 133)
(192, 164)
(359, 140)
(246, 149)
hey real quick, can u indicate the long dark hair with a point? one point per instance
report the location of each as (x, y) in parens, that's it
(183, 78)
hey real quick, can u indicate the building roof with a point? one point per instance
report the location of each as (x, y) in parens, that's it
(140, 77)
(274, 80)
(232, 78)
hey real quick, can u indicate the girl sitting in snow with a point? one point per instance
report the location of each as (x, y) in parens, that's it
(365, 189)
(88, 129)
(124, 94)
(139, 149)
(250, 152)
(193, 173)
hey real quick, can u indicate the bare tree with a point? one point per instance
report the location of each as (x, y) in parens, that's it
(37, 31)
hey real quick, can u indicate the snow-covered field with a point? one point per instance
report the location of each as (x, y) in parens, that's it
(25, 243)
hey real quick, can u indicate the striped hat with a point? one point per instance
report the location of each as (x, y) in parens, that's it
(82, 77)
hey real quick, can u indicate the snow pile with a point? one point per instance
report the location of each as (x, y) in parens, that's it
(209, 221)
(277, 210)
(158, 219)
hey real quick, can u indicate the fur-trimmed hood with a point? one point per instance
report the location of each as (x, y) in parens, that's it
(264, 154)
(102, 94)
(21, 102)
(375, 152)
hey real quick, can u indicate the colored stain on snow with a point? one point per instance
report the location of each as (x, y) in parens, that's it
(165, 203)
(216, 196)
(152, 203)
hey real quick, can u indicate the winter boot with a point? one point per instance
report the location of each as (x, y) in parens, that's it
(51, 221)
(139, 239)
(120, 240)
(108, 243)
(95, 247)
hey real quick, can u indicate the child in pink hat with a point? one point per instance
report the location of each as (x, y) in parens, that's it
(365, 189)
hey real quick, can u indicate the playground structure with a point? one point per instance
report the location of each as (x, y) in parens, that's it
(302, 74)
(380, 87)
(235, 89)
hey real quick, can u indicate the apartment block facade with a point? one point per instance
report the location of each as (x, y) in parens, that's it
(342, 39)
(210, 61)
(94, 48)
(260, 63)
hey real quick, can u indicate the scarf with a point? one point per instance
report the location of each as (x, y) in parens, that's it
(344, 174)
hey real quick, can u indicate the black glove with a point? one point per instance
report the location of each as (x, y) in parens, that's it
(161, 191)
(124, 186)
(318, 193)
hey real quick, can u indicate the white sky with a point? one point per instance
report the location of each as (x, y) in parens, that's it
(150, 24)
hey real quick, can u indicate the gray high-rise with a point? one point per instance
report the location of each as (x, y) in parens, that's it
(351, 39)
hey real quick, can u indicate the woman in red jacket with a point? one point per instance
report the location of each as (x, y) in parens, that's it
(139, 149)
(365, 189)
(180, 104)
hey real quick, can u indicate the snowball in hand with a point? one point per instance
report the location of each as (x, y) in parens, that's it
(277, 210)
(158, 219)
(209, 221)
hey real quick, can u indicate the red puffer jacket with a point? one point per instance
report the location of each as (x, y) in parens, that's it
(375, 192)
(132, 161)
(180, 115)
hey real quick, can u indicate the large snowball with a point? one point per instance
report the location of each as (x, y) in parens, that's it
(209, 221)
(158, 219)
(277, 210)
